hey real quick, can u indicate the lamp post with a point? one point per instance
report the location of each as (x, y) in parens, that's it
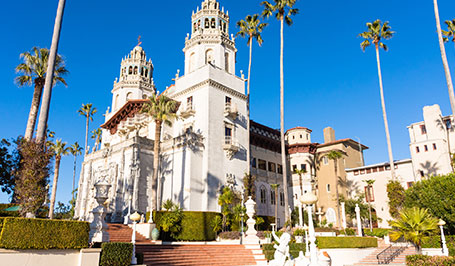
(301, 214)
(445, 250)
(309, 199)
(307, 251)
(134, 217)
(127, 216)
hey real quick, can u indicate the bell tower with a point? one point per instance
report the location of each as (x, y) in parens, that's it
(136, 78)
(209, 42)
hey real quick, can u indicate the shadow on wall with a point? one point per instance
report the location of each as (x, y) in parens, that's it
(429, 168)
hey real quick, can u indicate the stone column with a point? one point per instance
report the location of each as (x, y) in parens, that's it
(300, 215)
(359, 222)
(98, 227)
(343, 215)
(251, 237)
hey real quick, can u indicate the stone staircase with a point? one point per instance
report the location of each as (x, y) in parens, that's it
(191, 254)
(371, 259)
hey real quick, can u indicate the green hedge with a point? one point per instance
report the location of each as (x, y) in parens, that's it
(294, 249)
(423, 260)
(23, 233)
(346, 242)
(435, 242)
(196, 226)
(1, 225)
(116, 254)
(378, 232)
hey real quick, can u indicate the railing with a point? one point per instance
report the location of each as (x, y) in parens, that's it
(387, 255)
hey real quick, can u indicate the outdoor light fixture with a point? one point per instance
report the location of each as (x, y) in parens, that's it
(134, 217)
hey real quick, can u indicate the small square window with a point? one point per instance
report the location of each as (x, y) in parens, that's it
(434, 146)
(294, 167)
(410, 184)
(356, 172)
(328, 188)
(262, 164)
(368, 170)
(228, 99)
(253, 163)
(272, 167)
(423, 129)
(425, 147)
(417, 149)
(279, 169)
(303, 167)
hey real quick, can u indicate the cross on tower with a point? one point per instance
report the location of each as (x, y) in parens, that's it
(139, 40)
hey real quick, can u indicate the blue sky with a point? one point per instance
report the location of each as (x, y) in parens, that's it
(329, 81)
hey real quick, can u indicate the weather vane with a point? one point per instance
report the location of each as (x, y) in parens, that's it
(139, 40)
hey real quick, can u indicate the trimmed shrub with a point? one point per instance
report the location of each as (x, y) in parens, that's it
(229, 235)
(378, 232)
(1, 225)
(116, 254)
(196, 226)
(423, 260)
(348, 232)
(23, 233)
(294, 249)
(435, 242)
(346, 242)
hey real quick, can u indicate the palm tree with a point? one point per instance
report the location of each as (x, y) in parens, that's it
(444, 57)
(47, 91)
(87, 110)
(300, 172)
(335, 155)
(59, 148)
(450, 32)
(75, 150)
(275, 188)
(251, 27)
(97, 135)
(161, 109)
(283, 10)
(413, 225)
(314, 162)
(33, 71)
(376, 32)
(369, 183)
(225, 200)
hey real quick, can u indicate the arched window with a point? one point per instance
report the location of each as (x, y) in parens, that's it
(135, 70)
(206, 23)
(129, 95)
(192, 63)
(194, 27)
(209, 56)
(141, 71)
(146, 72)
(226, 62)
(281, 198)
(116, 102)
(198, 24)
(224, 26)
(213, 24)
(130, 70)
(272, 197)
(263, 195)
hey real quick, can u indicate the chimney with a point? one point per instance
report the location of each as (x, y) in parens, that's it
(329, 135)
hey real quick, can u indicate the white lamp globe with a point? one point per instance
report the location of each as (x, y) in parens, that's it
(308, 198)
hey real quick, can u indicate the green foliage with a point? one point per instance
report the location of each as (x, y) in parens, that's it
(423, 260)
(249, 183)
(1, 225)
(116, 254)
(377, 232)
(294, 249)
(217, 224)
(350, 206)
(32, 176)
(9, 161)
(299, 232)
(225, 201)
(267, 221)
(63, 211)
(376, 32)
(413, 225)
(171, 219)
(435, 242)
(8, 213)
(230, 235)
(349, 232)
(396, 195)
(437, 194)
(346, 242)
(196, 226)
(22, 233)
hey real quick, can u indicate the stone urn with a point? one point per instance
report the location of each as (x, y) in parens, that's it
(251, 233)
(98, 227)
(155, 234)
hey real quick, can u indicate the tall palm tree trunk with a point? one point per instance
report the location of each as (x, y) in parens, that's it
(54, 187)
(283, 147)
(276, 207)
(337, 193)
(156, 160)
(248, 150)
(384, 114)
(34, 109)
(444, 58)
(86, 134)
(44, 111)
(74, 179)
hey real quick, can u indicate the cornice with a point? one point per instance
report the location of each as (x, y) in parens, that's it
(210, 83)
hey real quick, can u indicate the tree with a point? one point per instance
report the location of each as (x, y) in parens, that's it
(87, 111)
(375, 34)
(225, 200)
(300, 172)
(437, 194)
(161, 109)
(369, 183)
(238, 211)
(32, 176)
(314, 162)
(47, 91)
(251, 27)
(413, 225)
(445, 63)
(9, 163)
(335, 155)
(249, 184)
(171, 220)
(97, 135)
(450, 32)
(59, 149)
(275, 188)
(75, 150)
(396, 196)
(33, 71)
(283, 10)
(350, 204)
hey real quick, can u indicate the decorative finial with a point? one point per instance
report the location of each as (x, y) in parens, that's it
(241, 74)
(139, 40)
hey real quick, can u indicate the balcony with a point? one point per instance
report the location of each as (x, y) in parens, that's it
(187, 111)
(230, 110)
(230, 146)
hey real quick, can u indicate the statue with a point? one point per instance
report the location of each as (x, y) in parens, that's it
(281, 255)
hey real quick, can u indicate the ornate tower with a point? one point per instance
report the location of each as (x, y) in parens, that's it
(210, 42)
(136, 79)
